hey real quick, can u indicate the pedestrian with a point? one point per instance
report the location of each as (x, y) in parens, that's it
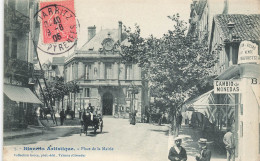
(133, 115)
(205, 153)
(177, 152)
(178, 123)
(229, 142)
(62, 116)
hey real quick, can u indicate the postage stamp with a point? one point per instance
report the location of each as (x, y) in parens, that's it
(58, 26)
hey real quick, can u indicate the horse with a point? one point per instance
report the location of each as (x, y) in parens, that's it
(95, 121)
(45, 111)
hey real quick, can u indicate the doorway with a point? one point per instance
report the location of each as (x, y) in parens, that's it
(107, 103)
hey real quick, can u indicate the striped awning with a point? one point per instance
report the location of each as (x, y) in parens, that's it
(206, 104)
(20, 94)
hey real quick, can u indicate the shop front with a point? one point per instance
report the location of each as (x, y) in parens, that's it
(19, 107)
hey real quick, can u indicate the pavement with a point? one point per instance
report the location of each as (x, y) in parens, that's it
(141, 141)
(190, 137)
(16, 133)
(119, 141)
(31, 130)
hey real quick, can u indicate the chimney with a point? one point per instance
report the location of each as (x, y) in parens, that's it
(119, 31)
(91, 32)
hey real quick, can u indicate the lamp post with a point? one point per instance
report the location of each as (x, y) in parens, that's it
(80, 91)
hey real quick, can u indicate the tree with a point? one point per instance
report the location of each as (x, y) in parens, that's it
(176, 66)
(73, 87)
(57, 89)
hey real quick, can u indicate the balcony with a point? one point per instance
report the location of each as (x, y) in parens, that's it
(18, 68)
(16, 21)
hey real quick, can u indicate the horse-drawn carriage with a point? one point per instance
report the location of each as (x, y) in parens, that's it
(88, 119)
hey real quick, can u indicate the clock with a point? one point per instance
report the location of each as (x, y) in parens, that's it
(108, 44)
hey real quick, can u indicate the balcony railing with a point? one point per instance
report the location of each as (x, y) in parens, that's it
(16, 67)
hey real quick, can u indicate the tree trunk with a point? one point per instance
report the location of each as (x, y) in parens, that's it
(62, 102)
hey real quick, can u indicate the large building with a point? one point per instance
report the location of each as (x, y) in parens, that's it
(19, 100)
(106, 83)
(224, 32)
(231, 31)
(225, 26)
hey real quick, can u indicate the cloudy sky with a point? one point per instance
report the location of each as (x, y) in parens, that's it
(150, 15)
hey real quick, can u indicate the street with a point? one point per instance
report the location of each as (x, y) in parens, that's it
(119, 141)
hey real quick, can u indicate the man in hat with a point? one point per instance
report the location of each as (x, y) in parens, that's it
(177, 152)
(230, 144)
(205, 153)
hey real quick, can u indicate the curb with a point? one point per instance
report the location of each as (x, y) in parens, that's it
(23, 135)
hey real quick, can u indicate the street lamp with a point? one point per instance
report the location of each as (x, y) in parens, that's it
(230, 26)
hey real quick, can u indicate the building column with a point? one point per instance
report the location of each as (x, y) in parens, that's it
(115, 73)
(101, 70)
(122, 73)
(81, 73)
(76, 70)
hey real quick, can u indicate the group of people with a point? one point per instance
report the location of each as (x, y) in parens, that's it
(89, 109)
(178, 153)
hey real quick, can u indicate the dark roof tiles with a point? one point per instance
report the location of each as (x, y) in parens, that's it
(247, 27)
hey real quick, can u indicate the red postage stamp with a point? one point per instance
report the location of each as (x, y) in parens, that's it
(58, 26)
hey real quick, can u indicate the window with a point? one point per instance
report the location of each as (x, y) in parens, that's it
(128, 72)
(87, 72)
(87, 92)
(14, 48)
(108, 71)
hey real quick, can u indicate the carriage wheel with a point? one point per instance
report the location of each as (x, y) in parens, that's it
(101, 126)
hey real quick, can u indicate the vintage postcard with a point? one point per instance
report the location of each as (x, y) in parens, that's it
(131, 80)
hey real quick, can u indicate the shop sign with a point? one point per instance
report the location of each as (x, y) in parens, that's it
(226, 86)
(248, 53)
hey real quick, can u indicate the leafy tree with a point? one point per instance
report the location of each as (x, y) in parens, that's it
(73, 87)
(57, 89)
(177, 66)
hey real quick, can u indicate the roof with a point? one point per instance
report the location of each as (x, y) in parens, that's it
(58, 60)
(96, 42)
(247, 27)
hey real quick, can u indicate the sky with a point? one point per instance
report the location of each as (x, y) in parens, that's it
(150, 15)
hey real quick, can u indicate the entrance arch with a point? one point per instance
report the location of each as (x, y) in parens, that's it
(107, 103)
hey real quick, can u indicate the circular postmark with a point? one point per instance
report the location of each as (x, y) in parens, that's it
(57, 28)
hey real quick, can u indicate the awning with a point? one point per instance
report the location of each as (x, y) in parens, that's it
(20, 94)
(207, 105)
(200, 100)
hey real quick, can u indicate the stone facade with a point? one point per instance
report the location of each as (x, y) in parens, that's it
(106, 83)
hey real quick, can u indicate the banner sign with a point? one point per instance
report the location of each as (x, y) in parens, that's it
(248, 53)
(226, 86)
